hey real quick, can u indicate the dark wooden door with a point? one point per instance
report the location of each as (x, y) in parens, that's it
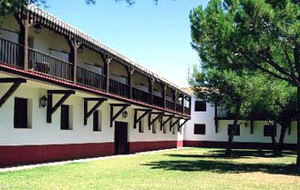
(121, 138)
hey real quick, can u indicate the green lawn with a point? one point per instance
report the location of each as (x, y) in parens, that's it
(177, 169)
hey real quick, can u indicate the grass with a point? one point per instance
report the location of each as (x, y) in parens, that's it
(190, 169)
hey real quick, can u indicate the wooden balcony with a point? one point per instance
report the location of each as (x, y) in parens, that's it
(12, 54)
(118, 88)
(170, 105)
(90, 78)
(141, 95)
(187, 110)
(50, 65)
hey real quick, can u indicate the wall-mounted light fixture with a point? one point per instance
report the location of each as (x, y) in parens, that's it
(125, 114)
(43, 102)
(38, 28)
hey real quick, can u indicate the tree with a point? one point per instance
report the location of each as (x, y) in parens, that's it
(225, 88)
(260, 35)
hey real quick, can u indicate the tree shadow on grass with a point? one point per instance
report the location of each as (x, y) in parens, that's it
(223, 167)
(235, 154)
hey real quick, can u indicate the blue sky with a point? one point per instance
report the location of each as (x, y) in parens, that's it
(155, 36)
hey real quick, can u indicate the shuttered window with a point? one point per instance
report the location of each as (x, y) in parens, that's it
(65, 117)
(199, 129)
(21, 113)
(200, 106)
(96, 121)
(237, 131)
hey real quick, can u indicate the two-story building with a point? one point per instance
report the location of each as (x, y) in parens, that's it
(64, 95)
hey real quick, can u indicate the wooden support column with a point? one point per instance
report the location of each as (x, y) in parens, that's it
(107, 61)
(113, 116)
(25, 23)
(164, 95)
(151, 89)
(16, 83)
(88, 113)
(190, 105)
(52, 109)
(174, 99)
(138, 119)
(152, 121)
(130, 81)
(74, 45)
(182, 102)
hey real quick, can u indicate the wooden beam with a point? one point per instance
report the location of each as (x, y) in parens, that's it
(164, 122)
(138, 119)
(173, 124)
(113, 116)
(180, 125)
(52, 109)
(16, 84)
(152, 121)
(87, 113)
(74, 44)
(107, 61)
(216, 118)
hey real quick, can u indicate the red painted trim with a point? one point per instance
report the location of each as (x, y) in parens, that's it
(237, 145)
(20, 155)
(148, 146)
(68, 84)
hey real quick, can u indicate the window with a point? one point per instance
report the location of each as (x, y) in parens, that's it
(141, 126)
(97, 121)
(21, 113)
(237, 131)
(65, 118)
(199, 129)
(200, 106)
(269, 131)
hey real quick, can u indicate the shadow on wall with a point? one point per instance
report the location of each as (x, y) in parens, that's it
(221, 166)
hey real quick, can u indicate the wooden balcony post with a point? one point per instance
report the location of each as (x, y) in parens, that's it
(151, 89)
(24, 22)
(74, 45)
(174, 99)
(130, 74)
(190, 105)
(164, 95)
(107, 60)
(182, 102)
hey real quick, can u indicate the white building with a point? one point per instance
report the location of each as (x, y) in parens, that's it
(64, 95)
(209, 128)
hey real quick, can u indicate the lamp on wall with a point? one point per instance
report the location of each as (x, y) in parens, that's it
(38, 28)
(125, 114)
(43, 102)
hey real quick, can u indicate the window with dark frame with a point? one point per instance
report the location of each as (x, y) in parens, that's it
(269, 131)
(200, 106)
(65, 117)
(21, 113)
(96, 121)
(237, 131)
(199, 129)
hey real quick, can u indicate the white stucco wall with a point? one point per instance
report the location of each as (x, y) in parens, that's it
(207, 118)
(42, 133)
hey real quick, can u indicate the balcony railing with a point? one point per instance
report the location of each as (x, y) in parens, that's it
(90, 78)
(187, 110)
(141, 95)
(118, 88)
(50, 65)
(158, 101)
(178, 108)
(10, 53)
(170, 105)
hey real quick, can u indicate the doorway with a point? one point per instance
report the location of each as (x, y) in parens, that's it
(121, 138)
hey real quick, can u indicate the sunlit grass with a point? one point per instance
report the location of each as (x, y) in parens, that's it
(177, 169)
